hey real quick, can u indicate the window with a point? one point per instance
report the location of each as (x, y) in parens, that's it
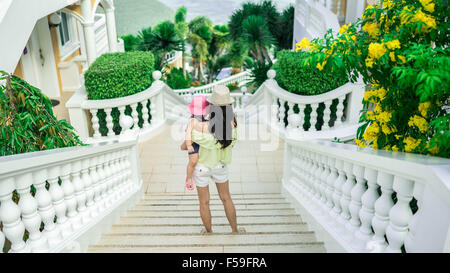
(67, 36)
(64, 33)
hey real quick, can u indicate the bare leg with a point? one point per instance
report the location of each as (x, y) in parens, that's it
(205, 212)
(230, 211)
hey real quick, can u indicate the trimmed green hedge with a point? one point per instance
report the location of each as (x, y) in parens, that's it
(120, 74)
(297, 78)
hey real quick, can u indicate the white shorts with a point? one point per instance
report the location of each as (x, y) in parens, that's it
(203, 175)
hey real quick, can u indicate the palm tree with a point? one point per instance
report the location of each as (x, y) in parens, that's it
(257, 38)
(216, 51)
(182, 29)
(200, 35)
(163, 39)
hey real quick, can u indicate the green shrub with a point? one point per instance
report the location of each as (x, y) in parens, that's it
(301, 79)
(176, 80)
(115, 75)
(259, 73)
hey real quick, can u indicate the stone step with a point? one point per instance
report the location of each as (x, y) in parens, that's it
(212, 202)
(195, 229)
(213, 207)
(219, 220)
(295, 248)
(214, 213)
(213, 196)
(206, 240)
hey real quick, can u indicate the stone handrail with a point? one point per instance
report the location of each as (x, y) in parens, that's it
(283, 118)
(67, 197)
(346, 194)
(240, 78)
(149, 120)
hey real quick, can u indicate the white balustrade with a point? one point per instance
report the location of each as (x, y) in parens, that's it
(88, 188)
(345, 100)
(339, 186)
(240, 78)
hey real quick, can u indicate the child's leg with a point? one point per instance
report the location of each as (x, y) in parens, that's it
(193, 159)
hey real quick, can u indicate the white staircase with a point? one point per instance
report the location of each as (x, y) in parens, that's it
(171, 223)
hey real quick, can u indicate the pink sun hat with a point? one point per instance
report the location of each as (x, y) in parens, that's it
(199, 106)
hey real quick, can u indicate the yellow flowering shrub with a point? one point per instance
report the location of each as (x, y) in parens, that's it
(401, 50)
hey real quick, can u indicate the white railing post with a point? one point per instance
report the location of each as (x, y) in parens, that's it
(354, 104)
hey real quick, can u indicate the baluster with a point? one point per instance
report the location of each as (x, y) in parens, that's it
(274, 111)
(45, 208)
(337, 185)
(323, 180)
(134, 114)
(290, 114)
(339, 111)
(116, 169)
(13, 227)
(309, 174)
(301, 113)
(382, 207)
(79, 193)
(153, 109)
(69, 196)
(109, 179)
(57, 194)
(86, 179)
(367, 210)
(95, 124)
(121, 113)
(30, 217)
(346, 196)
(313, 179)
(313, 117)
(410, 244)
(400, 214)
(326, 115)
(281, 113)
(109, 122)
(102, 182)
(332, 177)
(129, 184)
(96, 184)
(145, 114)
(355, 204)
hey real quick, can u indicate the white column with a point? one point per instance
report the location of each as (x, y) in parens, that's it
(88, 28)
(111, 29)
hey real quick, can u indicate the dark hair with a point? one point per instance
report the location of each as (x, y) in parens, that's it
(220, 124)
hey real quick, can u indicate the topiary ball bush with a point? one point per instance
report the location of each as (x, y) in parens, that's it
(297, 78)
(120, 74)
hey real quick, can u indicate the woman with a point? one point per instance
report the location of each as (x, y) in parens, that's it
(216, 140)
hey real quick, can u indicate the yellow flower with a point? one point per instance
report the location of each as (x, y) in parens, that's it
(411, 143)
(353, 37)
(393, 44)
(428, 5)
(304, 43)
(387, 129)
(402, 58)
(388, 4)
(360, 143)
(394, 148)
(392, 56)
(428, 20)
(369, 62)
(384, 117)
(371, 132)
(320, 66)
(424, 107)
(343, 29)
(371, 29)
(376, 50)
(419, 122)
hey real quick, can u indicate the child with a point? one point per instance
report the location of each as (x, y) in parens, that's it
(198, 108)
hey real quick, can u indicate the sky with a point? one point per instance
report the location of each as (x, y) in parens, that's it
(218, 10)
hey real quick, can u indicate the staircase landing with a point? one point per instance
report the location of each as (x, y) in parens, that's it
(167, 219)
